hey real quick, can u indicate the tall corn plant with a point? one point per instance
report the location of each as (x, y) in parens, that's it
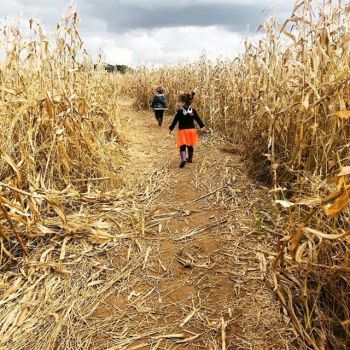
(286, 101)
(59, 131)
(288, 89)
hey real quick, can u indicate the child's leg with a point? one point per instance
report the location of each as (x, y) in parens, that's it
(182, 156)
(190, 154)
(159, 116)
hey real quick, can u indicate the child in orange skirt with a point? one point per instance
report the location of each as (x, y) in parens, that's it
(187, 136)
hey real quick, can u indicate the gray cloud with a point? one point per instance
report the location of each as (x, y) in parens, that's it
(156, 31)
(121, 16)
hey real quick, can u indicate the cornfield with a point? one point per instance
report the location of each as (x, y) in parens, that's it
(285, 102)
(60, 145)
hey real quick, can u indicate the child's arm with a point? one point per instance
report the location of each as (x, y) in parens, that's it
(173, 124)
(199, 120)
(152, 103)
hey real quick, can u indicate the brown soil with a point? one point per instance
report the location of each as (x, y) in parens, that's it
(206, 290)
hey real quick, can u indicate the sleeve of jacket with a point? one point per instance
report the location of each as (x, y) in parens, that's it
(173, 124)
(198, 119)
(165, 102)
(152, 103)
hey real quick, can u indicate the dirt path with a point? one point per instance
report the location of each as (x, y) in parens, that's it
(172, 259)
(199, 271)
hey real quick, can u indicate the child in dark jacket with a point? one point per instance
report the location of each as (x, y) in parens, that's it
(159, 104)
(187, 136)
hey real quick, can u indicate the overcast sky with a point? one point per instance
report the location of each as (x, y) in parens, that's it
(154, 32)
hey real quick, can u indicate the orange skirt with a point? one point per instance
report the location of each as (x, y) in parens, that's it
(188, 137)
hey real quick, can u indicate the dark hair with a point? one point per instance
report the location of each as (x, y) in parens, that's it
(160, 90)
(187, 98)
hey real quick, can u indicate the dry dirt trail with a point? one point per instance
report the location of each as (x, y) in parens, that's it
(198, 271)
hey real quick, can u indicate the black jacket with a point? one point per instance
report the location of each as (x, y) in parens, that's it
(159, 102)
(186, 121)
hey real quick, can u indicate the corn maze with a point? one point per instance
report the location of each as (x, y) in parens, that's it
(284, 105)
(285, 102)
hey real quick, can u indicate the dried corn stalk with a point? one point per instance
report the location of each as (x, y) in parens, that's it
(59, 142)
(286, 99)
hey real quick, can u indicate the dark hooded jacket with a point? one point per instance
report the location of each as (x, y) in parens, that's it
(159, 102)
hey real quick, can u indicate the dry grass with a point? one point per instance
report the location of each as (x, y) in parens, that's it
(286, 101)
(179, 272)
(60, 139)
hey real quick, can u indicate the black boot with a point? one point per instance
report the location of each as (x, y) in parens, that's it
(190, 156)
